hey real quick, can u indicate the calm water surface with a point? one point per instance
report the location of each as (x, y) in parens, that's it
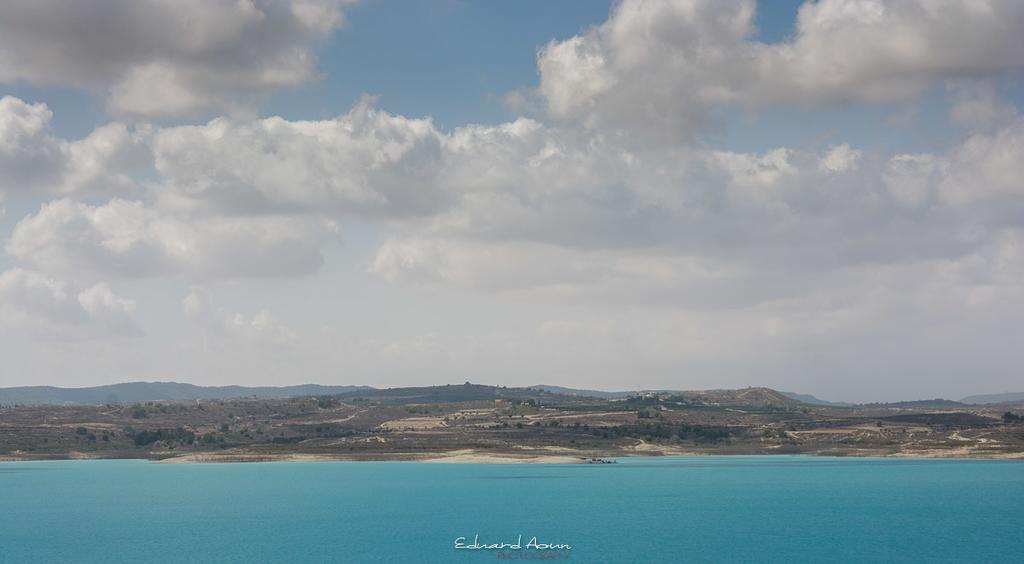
(671, 509)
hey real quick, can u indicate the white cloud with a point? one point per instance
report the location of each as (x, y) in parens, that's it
(987, 167)
(912, 179)
(489, 266)
(519, 205)
(661, 67)
(106, 162)
(366, 162)
(125, 238)
(108, 309)
(575, 215)
(165, 58)
(46, 307)
(259, 329)
(978, 107)
(840, 158)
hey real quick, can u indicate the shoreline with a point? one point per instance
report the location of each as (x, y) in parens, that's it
(468, 456)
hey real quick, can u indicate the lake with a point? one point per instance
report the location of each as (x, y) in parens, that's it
(665, 509)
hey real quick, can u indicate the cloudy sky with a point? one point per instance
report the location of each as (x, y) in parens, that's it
(823, 197)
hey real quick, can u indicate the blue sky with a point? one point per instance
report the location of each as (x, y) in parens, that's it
(676, 205)
(451, 60)
(455, 61)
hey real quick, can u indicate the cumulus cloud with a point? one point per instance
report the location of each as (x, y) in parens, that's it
(33, 302)
(367, 162)
(520, 180)
(259, 329)
(699, 226)
(661, 67)
(107, 161)
(164, 58)
(490, 266)
(978, 107)
(986, 167)
(242, 198)
(125, 238)
(523, 204)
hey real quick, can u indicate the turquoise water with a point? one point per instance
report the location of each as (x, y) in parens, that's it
(674, 509)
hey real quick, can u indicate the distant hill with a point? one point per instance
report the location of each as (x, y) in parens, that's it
(454, 393)
(741, 397)
(768, 396)
(750, 397)
(808, 398)
(584, 393)
(131, 392)
(745, 396)
(1010, 397)
(931, 403)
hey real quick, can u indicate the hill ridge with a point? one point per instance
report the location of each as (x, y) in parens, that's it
(129, 392)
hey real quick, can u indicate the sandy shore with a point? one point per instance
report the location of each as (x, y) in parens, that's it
(491, 458)
(558, 456)
(199, 458)
(954, 454)
(461, 456)
(549, 456)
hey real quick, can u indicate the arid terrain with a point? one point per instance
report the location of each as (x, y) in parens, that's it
(484, 423)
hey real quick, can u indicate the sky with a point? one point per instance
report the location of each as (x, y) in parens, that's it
(821, 197)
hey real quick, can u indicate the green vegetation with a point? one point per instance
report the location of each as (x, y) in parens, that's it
(167, 436)
(669, 432)
(326, 403)
(209, 439)
(426, 408)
